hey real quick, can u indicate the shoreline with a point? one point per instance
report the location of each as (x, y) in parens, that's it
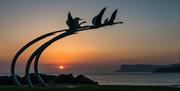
(90, 88)
(138, 79)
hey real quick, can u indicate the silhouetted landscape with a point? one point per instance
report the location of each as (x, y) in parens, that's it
(89, 45)
(65, 79)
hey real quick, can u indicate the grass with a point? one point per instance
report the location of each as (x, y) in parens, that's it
(91, 88)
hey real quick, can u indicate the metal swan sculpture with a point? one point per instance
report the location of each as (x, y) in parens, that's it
(74, 28)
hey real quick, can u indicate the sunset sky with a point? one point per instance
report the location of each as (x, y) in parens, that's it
(150, 34)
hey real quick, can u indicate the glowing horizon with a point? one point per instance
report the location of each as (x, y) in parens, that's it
(150, 34)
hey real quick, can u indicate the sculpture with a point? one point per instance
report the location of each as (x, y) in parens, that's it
(74, 27)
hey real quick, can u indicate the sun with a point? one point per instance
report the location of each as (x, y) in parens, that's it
(61, 67)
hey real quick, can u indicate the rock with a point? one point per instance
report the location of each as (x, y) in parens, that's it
(65, 79)
(4, 80)
(46, 78)
(50, 79)
(7, 80)
(81, 79)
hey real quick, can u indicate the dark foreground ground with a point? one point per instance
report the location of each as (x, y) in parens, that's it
(91, 88)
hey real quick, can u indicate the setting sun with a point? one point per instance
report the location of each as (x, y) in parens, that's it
(61, 67)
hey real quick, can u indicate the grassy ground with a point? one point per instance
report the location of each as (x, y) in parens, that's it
(91, 88)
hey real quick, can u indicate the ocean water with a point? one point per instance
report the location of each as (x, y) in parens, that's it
(153, 79)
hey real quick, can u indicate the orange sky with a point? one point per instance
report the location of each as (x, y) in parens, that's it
(145, 37)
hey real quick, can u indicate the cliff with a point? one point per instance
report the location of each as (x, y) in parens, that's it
(138, 68)
(173, 68)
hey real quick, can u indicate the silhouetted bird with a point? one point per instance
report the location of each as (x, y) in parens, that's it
(76, 22)
(96, 21)
(73, 24)
(70, 22)
(113, 16)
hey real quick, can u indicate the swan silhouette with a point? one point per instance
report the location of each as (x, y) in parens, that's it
(96, 21)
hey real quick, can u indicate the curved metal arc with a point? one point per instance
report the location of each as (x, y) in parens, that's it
(42, 47)
(36, 62)
(23, 49)
(37, 75)
(13, 64)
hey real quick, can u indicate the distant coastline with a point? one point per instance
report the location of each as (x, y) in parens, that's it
(172, 68)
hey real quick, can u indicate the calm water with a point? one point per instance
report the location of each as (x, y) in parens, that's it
(137, 78)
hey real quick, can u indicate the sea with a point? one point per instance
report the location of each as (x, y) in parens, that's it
(134, 78)
(137, 78)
